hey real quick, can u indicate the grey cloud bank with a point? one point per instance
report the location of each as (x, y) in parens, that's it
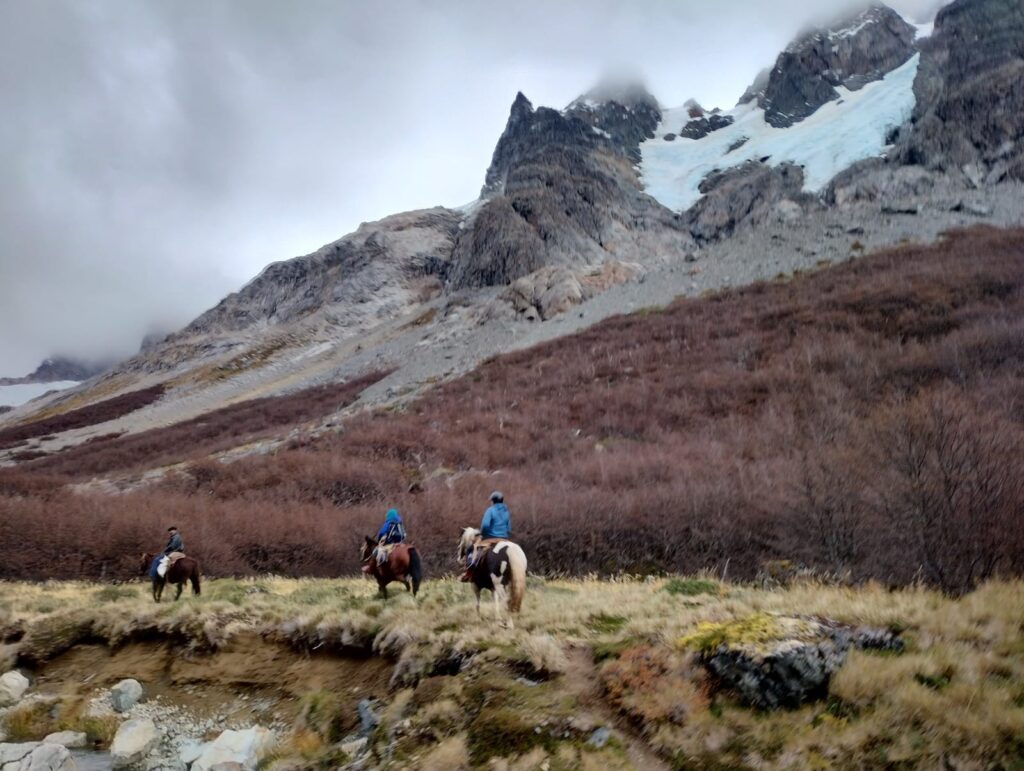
(156, 155)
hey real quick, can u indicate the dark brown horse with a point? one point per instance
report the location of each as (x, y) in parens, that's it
(180, 571)
(402, 565)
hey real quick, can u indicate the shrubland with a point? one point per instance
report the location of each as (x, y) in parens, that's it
(861, 422)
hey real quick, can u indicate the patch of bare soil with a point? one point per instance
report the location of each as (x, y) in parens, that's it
(249, 681)
(582, 681)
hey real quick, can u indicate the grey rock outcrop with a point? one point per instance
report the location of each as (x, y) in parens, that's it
(125, 695)
(555, 289)
(698, 128)
(13, 685)
(756, 89)
(787, 672)
(350, 272)
(744, 195)
(969, 115)
(877, 180)
(851, 54)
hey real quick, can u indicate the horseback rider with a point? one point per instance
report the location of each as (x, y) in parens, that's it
(174, 546)
(391, 532)
(496, 525)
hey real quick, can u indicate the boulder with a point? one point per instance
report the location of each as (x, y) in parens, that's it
(355, 747)
(134, 740)
(11, 754)
(779, 661)
(246, 748)
(74, 740)
(13, 685)
(125, 695)
(744, 195)
(553, 290)
(48, 757)
(189, 752)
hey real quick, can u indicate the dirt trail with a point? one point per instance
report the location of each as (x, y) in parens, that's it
(581, 680)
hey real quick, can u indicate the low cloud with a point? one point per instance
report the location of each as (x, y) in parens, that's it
(157, 155)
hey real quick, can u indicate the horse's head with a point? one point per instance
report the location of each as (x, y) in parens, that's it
(367, 548)
(467, 538)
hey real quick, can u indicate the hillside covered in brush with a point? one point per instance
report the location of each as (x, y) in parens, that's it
(863, 420)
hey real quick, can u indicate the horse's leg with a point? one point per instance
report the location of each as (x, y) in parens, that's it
(499, 596)
(180, 587)
(383, 590)
(477, 590)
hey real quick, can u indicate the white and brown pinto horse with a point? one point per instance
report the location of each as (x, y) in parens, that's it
(500, 568)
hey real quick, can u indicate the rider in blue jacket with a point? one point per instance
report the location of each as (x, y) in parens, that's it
(391, 532)
(497, 523)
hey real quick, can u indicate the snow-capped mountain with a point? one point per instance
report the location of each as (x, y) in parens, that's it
(868, 115)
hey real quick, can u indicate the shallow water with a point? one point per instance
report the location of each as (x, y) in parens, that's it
(91, 761)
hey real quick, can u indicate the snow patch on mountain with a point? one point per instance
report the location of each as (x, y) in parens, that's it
(16, 395)
(837, 135)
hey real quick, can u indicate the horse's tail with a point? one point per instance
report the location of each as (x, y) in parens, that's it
(415, 569)
(517, 584)
(194, 577)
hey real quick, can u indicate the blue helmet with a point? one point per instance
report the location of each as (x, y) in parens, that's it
(392, 515)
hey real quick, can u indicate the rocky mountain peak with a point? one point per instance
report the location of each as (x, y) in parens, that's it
(852, 53)
(622, 111)
(59, 368)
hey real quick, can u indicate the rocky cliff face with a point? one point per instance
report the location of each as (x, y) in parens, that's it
(851, 54)
(365, 272)
(562, 190)
(970, 99)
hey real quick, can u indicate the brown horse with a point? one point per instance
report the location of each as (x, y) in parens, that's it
(402, 565)
(182, 570)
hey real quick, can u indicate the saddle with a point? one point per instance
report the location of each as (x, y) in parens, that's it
(174, 556)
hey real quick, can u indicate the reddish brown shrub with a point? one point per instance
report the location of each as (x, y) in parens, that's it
(90, 415)
(863, 420)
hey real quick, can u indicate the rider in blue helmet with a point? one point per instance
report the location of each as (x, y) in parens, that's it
(390, 533)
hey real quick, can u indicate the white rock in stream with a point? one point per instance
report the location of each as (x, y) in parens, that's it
(13, 685)
(73, 740)
(246, 748)
(134, 740)
(35, 756)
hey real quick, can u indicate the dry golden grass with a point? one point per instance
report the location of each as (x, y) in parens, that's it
(956, 693)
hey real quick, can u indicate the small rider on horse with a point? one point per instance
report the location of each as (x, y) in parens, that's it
(391, 532)
(495, 526)
(174, 549)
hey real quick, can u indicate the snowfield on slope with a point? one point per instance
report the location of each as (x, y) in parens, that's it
(16, 395)
(840, 133)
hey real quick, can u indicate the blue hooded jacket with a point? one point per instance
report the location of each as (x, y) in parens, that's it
(497, 522)
(393, 530)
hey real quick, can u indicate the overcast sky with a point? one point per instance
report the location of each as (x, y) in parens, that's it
(156, 155)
